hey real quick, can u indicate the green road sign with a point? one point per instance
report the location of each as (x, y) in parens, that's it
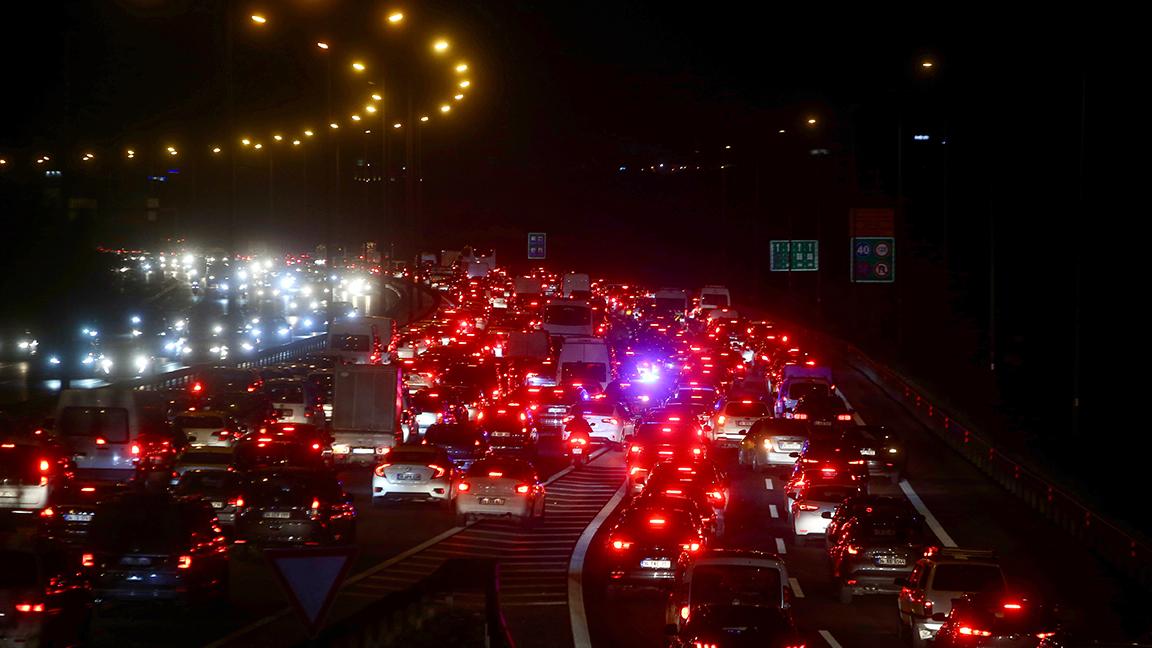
(873, 259)
(804, 257)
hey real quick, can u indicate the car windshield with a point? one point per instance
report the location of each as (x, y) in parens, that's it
(110, 424)
(452, 435)
(967, 578)
(736, 585)
(748, 410)
(140, 527)
(410, 457)
(199, 422)
(281, 489)
(17, 569)
(206, 481)
(798, 390)
(568, 315)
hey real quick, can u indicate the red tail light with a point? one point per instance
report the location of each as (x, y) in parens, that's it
(315, 504)
(238, 502)
(29, 607)
(315, 446)
(380, 469)
(621, 545)
(437, 471)
(611, 421)
(184, 562)
(135, 449)
(697, 451)
(691, 547)
(716, 495)
(523, 489)
(800, 417)
(463, 487)
(88, 560)
(720, 419)
(657, 521)
(973, 632)
(44, 465)
(852, 551)
(100, 441)
(634, 449)
(1044, 635)
(47, 512)
(843, 417)
(197, 388)
(685, 611)
(1013, 606)
(856, 462)
(806, 507)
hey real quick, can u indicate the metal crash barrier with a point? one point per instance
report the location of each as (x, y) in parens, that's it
(457, 605)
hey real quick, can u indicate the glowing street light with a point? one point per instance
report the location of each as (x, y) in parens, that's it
(322, 45)
(259, 19)
(376, 97)
(358, 66)
(458, 97)
(462, 67)
(246, 142)
(355, 117)
(396, 125)
(811, 120)
(464, 84)
(926, 64)
(445, 108)
(440, 46)
(216, 149)
(395, 17)
(308, 133)
(130, 153)
(333, 125)
(424, 118)
(370, 108)
(278, 137)
(295, 142)
(258, 146)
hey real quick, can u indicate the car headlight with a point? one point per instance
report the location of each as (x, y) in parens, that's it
(892, 450)
(767, 444)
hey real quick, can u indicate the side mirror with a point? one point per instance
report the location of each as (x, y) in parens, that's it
(902, 582)
(671, 630)
(827, 515)
(939, 616)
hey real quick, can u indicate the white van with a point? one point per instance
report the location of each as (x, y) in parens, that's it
(712, 297)
(576, 285)
(585, 361)
(100, 429)
(361, 340)
(568, 318)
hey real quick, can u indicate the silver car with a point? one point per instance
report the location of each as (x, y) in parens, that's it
(413, 472)
(735, 418)
(500, 487)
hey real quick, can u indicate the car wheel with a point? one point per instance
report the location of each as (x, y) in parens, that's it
(845, 594)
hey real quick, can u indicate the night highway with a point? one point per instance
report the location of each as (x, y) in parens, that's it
(569, 326)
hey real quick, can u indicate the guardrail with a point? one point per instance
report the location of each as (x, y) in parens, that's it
(180, 378)
(1123, 550)
(457, 605)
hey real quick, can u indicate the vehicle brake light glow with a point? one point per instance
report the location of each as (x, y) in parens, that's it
(44, 465)
(100, 441)
(88, 560)
(1013, 606)
(197, 388)
(720, 419)
(657, 521)
(1044, 635)
(697, 451)
(184, 562)
(800, 417)
(673, 491)
(463, 487)
(692, 547)
(495, 473)
(621, 545)
(523, 489)
(437, 471)
(315, 503)
(973, 632)
(684, 612)
(380, 469)
(843, 417)
(852, 551)
(807, 507)
(29, 607)
(135, 449)
(47, 512)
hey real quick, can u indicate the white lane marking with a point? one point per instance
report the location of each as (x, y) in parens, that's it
(772, 511)
(856, 418)
(768, 483)
(830, 639)
(571, 468)
(780, 548)
(577, 617)
(933, 523)
(795, 585)
(259, 623)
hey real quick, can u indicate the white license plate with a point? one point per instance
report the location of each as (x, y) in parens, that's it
(409, 477)
(77, 517)
(8, 493)
(501, 434)
(285, 413)
(277, 515)
(577, 451)
(557, 410)
(789, 446)
(217, 505)
(745, 422)
(891, 561)
(363, 450)
(656, 564)
(497, 501)
(822, 422)
(867, 452)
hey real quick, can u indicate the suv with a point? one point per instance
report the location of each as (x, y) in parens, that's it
(940, 576)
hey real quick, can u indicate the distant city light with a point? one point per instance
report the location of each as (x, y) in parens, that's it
(921, 138)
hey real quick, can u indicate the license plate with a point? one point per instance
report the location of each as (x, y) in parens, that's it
(285, 413)
(497, 501)
(217, 505)
(577, 451)
(892, 561)
(867, 452)
(277, 515)
(8, 493)
(77, 517)
(409, 477)
(822, 422)
(745, 422)
(789, 446)
(501, 434)
(557, 410)
(656, 564)
(363, 450)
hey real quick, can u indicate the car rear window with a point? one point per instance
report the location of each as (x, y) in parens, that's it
(827, 493)
(723, 584)
(199, 422)
(286, 489)
(583, 372)
(746, 409)
(651, 525)
(222, 458)
(17, 569)
(137, 526)
(598, 408)
(251, 455)
(967, 578)
(507, 469)
(887, 534)
(108, 423)
(410, 457)
(286, 393)
(565, 315)
(655, 432)
(206, 481)
(452, 434)
(799, 390)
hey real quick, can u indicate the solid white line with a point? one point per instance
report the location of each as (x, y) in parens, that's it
(795, 585)
(856, 418)
(772, 511)
(577, 617)
(768, 483)
(780, 548)
(830, 639)
(933, 523)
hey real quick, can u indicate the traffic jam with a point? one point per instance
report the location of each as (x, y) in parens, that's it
(534, 401)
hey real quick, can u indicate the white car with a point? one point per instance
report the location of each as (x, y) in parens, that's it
(735, 418)
(812, 503)
(207, 429)
(610, 422)
(413, 472)
(289, 401)
(500, 487)
(24, 477)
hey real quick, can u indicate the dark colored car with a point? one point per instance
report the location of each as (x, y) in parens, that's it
(656, 443)
(220, 488)
(510, 430)
(67, 520)
(882, 450)
(823, 460)
(740, 626)
(872, 553)
(149, 546)
(294, 506)
(464, 443)
(653, 547)
(822, 410)
(864, 506)
(987, 620)
(275, 446)
(42, 603)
